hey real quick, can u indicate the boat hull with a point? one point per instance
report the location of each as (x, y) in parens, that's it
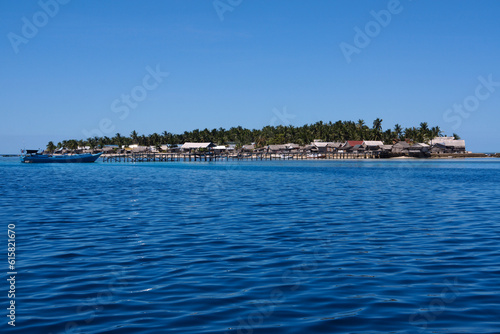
(77, 158)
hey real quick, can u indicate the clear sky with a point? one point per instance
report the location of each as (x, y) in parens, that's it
(74, 68)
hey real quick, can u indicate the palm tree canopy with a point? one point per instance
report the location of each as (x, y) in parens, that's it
(327, 131)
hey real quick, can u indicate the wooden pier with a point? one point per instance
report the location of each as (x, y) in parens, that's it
(167, 157)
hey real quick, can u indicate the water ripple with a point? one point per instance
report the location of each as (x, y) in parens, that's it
(261, 247)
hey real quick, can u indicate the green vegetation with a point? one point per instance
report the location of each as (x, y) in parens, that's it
(51, 147)
(339, 131)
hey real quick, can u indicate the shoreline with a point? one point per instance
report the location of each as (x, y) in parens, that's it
(434, 156)
(330, 156)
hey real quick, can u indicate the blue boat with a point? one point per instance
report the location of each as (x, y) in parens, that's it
(32, 156)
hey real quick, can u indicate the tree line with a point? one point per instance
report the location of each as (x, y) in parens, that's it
(339, 131)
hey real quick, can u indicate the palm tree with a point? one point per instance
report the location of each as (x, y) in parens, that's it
(118, 140)
(377, 124)
(435, 132)
(101, 142)
(92, 143)
(127, 141)
(72, 144)
(51, 147)
(361, 129)
(134, 136)
(328, 131)
(166, 137)
(398, 131)
(412, 134)
(377, 129)
(387, 136)
(424, 132)
(155, 140)
(81, 143)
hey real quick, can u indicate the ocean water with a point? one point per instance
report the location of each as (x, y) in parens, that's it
(393, 246)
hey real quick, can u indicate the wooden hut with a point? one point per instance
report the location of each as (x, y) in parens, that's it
(219, 149)
(248, 148)
(447, 145)
(324, 146)
(276, 149)
(291, 147)
(386, 148)
(419, 150)
(372, 145)
(401, 147)
(190, 147)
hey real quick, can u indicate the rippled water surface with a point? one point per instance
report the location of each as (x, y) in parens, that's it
(254, 247)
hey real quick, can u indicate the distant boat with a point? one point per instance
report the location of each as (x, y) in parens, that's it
(32, 156)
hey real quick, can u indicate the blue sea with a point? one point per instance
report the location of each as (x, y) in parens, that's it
(367, 246)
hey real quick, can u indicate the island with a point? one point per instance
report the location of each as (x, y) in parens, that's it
(321, 140)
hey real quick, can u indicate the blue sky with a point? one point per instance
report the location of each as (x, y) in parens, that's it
(250, 63)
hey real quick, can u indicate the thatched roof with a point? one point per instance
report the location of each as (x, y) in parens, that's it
(436, 140)
(401, 144)
(277, 147)
(358, 148)
(331, 144)
(194, 146)
(449, 142)
(320, 144)
(373, 143)
(335, 144)
(248, 147)
(418, 147)
(456, 144)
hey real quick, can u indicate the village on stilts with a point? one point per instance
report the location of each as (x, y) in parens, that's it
(326, 141)
(443, 146)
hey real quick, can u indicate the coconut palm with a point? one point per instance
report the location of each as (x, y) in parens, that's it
(117, 140)
(435, 132)
(398, 131)
(72, 144)
(327, 131)
(92, 142)
(377, 124)
(377, 129)
(51, 147)
(425, 133)
(101, 142)
(134, 136)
